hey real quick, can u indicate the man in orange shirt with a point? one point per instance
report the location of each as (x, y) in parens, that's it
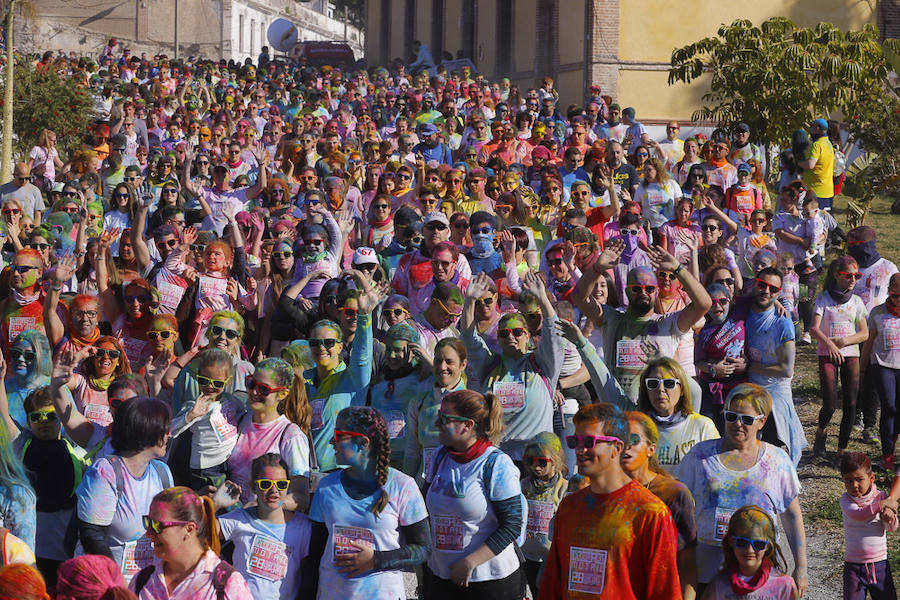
(613, 539)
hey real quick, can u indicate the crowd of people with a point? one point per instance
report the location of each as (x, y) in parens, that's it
(276, 331)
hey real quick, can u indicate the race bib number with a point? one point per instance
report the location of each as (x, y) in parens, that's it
(136, 555)
(754, 353)
(212, 286)
(449, 533)
(316, 421)
(268, 558)
(540, 513)
(511, 394)
(98, 413)
(587, 570)
(723, 515)
(841, 329)
(891, 334)
(428, 459)
(629, 354)
(19, 324)
(222, 427)
(170, 294)
(134, 349)
(344, 534)
(744, 203)
(396, 423)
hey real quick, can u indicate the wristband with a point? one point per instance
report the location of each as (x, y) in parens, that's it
(55, 288)
(678, 271)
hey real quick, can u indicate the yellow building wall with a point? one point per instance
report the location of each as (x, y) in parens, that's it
(643, 39)
(523, 36)
(452, 26)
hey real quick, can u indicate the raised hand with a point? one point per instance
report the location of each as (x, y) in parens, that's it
(146, 195)
(507, 241)
(201, 407)
(478, 287)
(569, 331)
(661, 259)
(65, 268)
(612, 252)
(533, 284)
(231, 288)
(189, 235)
(107, 238)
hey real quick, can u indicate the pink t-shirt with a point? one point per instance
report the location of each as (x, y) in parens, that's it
(93, 404)
(778, 587)
(864, 537)
(196, 586)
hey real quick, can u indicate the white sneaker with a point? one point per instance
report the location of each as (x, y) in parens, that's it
(806, 339)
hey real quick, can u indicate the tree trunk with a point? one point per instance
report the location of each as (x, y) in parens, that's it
(6, 166)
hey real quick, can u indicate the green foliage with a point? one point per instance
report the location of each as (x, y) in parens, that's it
(43, 100)
(777, 77)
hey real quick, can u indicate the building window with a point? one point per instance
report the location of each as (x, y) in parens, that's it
(329, 10)
(241, 33)
(503, 64)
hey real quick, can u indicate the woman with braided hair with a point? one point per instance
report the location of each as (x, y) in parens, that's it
(360, 515)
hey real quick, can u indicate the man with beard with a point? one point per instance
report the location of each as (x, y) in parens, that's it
(625, 176)
(83, 314)
(431, 148)
(769, 340)
(23, 309)
(428, 114)
(633, 337)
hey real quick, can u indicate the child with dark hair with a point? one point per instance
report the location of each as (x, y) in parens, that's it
(866, 568)
(369, 520)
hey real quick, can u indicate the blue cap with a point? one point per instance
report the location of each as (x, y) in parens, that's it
(821, 123)
(427, 129)
(744, 167)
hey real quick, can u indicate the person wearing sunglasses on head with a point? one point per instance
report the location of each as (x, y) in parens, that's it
(770, 350)
(523, 378)
(23, 309)
(755, 472)
(640, 463)
(117, 489)
(30, 366)
(333, 384)
(212, 417)
(369, 521)
(182, 528)
(839, 325)
(596, 548)
(667, 396)
(270, 541)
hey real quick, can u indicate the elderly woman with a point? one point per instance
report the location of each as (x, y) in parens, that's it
(740, 469)
(665, 395)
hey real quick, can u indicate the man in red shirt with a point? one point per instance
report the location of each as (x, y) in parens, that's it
(613, 539)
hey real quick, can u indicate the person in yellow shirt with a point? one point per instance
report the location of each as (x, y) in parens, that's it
(818, 168)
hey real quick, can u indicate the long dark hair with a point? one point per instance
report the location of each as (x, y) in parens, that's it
(370, 423)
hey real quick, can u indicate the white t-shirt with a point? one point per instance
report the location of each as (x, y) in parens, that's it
(215, 433)
(840, 320)
(886, 347)
(352, 520)
(218, 201)
(872, 287)
(462, 518)
(99, 504)
(676, 441)
(266, 554)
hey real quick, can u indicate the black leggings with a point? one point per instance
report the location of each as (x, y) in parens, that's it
(806, 304)
(508, 588)
(887, 381)
(828, 380)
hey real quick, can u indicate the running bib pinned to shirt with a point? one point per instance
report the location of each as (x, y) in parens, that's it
(723, 516)
(170, 294)
(449, 532)
(19, 324)
(587, 570)
(396, 423)
(138, 553)
(629, 354)
(891, 334)
(213, 286)
(344, 534)
(316, 420)
(223, 429)
(98, 413)
(428, 459)
(268, 558)
(511, 394)
(841, 329)
(540, 513)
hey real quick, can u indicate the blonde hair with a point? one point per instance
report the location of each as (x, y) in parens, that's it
(685, 403)
(754, 395)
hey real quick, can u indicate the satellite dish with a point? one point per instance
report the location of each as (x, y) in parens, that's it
(282, 35)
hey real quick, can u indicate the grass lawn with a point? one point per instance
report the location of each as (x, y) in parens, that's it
(822, 486)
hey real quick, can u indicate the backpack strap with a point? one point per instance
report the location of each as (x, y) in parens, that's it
(119, 470)
(487, 472)
(221, 574)
(163, 473)
(141, 579)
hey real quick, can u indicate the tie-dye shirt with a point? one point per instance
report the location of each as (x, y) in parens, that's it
(352, 520)
(620, 545)
(771, 484)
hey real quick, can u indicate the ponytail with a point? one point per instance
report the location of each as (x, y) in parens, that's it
(186, 505)
(211, 526)
(486, 411)
(370, 423)
(495, 418)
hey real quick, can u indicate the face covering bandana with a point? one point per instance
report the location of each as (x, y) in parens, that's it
(483, 245)
(864, 253)
(631, 246)
(312, 258)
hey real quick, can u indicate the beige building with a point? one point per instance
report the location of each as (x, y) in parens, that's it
(233, 29)
(622, 45)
